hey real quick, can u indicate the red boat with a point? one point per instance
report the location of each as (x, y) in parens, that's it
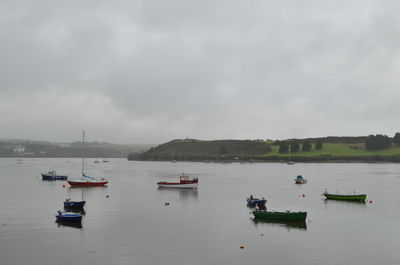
(87, 183)
(185, 182)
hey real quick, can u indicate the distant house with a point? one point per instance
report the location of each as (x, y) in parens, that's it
(19, 149)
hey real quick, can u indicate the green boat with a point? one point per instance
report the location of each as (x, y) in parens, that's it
(282, 216)
(345, 197)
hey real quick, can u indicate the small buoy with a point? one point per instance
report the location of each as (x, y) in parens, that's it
(63, 185)
(303, 195)
(262, 234)
(166, 203)
(370, 201)
(242, 247)
(107, 196)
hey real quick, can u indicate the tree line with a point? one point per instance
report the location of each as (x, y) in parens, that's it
(294, 146)
(379, 141)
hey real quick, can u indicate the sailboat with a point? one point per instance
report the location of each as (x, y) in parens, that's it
(86, 181)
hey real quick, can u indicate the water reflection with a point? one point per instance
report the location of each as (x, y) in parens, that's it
(75, 210)
(69, 224)
(354, 204)
(184, 194)
(301, 225)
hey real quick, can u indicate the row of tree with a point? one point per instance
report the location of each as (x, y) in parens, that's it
(294, 146)
(379, 141)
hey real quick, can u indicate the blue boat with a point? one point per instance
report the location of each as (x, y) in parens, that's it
(73, 204)
(68, 217)
(253, 202)
(52, 175)
(300, 180)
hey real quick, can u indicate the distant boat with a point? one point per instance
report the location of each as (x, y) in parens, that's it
(106, 160)
(345, 197)
(300, 180)
(253, 202)
(185, 182)
(68, 217)
(281, 216)
(52, 175)
(19, 161)
(86, 181)
(96, 161)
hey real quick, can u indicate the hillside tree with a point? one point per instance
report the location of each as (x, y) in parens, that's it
(396, 138)
(318, 145)
(294, 147)
(377, 142)
(306, 146)
(283, 147)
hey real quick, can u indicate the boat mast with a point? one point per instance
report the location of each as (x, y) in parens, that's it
(83, 153)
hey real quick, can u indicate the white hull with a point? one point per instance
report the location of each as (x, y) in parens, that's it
(179, 186)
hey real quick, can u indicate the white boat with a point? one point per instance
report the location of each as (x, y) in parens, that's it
(185, 182)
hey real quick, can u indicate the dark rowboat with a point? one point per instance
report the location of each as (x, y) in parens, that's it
(282, 216)
(345, 197)
(52, 175)
(253, 202)
(68, 217)
(74, 204)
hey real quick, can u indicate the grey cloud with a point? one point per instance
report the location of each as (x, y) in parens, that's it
(151, 71)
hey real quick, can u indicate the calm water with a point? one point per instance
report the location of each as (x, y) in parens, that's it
(204, 226)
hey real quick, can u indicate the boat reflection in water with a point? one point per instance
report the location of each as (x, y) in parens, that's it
(352, 204)
(69, 224)
(75, 210)
(184, 194)
(301, 225)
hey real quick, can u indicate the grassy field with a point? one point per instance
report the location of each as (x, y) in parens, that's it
(339, 150)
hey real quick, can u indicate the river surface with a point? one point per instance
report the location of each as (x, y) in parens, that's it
(129, 223)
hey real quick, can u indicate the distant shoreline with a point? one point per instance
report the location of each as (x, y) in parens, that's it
(380, 159)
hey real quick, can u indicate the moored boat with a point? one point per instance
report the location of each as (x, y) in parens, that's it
(68, 203)
(86, 181)
(185, 182)
(253, 202)
(282, 216)
(345, 197)
(68, 217)
(89, 182)
(52, 175)
(300, 180)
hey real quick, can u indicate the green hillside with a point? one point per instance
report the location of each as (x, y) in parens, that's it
(338, 149)
(191, 149)
(334, 149)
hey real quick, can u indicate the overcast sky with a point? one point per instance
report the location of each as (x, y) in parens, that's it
(152, 71)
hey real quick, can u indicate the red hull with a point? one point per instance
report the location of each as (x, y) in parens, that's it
(87, 184)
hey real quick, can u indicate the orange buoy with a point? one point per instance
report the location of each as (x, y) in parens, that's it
(242, 247)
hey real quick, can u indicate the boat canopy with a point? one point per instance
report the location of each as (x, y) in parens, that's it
(89, 177)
